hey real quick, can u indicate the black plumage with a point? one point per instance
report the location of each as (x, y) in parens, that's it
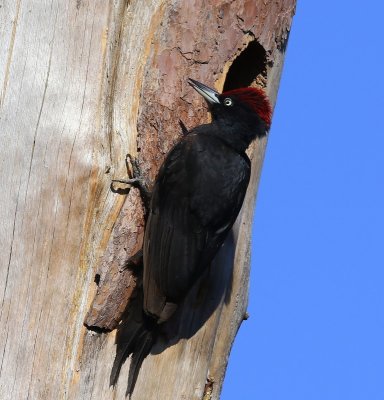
(197, 196)
(196, 199)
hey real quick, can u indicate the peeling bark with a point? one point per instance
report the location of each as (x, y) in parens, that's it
(83, 83)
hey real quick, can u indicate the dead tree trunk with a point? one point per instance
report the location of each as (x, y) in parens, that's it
(83, 84)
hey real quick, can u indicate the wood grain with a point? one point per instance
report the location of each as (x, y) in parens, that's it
(83, 83)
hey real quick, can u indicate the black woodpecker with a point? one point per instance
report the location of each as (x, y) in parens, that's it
(196, 198)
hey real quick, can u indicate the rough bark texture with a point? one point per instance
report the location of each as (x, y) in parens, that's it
(83, 83)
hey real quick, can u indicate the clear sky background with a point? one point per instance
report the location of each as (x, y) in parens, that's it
(316, 327)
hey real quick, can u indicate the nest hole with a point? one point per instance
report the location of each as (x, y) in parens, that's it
(249, 68)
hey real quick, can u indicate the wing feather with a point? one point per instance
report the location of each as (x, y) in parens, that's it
(192, 209)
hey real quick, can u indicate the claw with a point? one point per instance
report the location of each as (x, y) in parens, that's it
(135, 179)
(135, 261)
(184, 129)
(134, 163)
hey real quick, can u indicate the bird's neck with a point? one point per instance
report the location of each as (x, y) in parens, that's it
(237, 136)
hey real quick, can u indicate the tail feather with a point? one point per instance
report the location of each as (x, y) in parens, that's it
(124, 349)
(134, 337)
(143, 347)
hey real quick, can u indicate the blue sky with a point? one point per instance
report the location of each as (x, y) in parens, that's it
(316, 327)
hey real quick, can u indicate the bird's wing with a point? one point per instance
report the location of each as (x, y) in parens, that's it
(196, 199)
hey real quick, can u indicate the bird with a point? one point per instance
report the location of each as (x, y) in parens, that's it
(196, 198)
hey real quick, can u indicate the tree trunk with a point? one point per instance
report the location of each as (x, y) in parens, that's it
(83, 84)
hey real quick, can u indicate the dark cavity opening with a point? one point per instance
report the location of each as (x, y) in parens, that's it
(249, 67)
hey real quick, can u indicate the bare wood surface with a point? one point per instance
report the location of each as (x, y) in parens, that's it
(82, 84)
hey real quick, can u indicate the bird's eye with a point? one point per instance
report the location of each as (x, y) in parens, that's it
(228, 102)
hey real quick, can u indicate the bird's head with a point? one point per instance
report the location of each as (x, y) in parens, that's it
(245, 112)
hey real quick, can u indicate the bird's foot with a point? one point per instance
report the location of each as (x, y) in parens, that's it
(135, 179)
(135, 262)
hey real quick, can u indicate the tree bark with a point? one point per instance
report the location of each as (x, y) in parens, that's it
(83, 84)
